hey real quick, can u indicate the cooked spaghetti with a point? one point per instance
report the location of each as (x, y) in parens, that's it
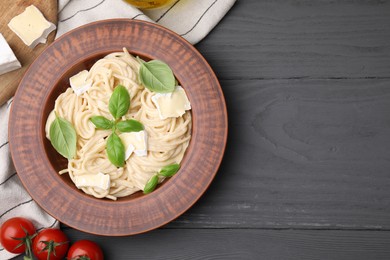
(167, 138)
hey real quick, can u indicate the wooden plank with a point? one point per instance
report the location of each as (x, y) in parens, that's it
(308, 39)
(194, 244)
(9, 9)
(301, 154)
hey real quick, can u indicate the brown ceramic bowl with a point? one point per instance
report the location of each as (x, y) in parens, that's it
(37, 163)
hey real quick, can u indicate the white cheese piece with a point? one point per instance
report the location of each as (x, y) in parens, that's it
(172, 104)
(8, 61)
(135, 142)
(50, 119)
(31, 26)
(79, 82)
(99, 180)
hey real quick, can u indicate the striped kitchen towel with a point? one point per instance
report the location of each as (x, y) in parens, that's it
(192, 19)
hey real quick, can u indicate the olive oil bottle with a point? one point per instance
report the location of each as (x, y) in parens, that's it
(149, 4)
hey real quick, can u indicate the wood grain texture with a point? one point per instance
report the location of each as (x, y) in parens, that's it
(211, 244)
(9, 9)
(304, 155)
(48, 76)
(301, 39)
(301, 154)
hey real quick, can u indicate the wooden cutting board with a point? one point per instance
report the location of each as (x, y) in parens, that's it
(9, 9)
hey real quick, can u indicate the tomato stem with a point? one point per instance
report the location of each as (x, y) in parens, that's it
(81, 257)
(27, 241)
(50, 247)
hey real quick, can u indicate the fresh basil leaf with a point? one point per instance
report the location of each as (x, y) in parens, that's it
(63, 137)
(157, 76)
(130, 125)
(101, 122)
(170, 170)
(115, 150)
(151, 184)
(119, 102)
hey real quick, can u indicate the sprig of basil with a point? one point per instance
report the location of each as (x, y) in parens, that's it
(119, 102)
(151, 184)
(170, 170)
(118, 105)
(63, 137)
(157, 76)
(101, 122)
(130, 125)
(166, 171)
(115, 150)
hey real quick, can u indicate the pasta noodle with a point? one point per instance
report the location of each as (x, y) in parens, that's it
(167, 138)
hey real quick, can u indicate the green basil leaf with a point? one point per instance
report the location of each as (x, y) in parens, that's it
(170, 170)
(115, 150)
(63, 137)
(157, 76)
(101, 122)
(130, 125)
(119, 102)
(151, 184)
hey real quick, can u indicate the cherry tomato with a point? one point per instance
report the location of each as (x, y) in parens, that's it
(16, 235)
(50, 242)
(85, 250)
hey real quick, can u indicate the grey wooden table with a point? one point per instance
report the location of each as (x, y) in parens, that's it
(306, 173)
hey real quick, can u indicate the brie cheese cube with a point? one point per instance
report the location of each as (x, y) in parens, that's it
(100, 180)
(135, 142)
(79, 82)
(31, 26)
(50, 119)
(8, 61)
(172, 104)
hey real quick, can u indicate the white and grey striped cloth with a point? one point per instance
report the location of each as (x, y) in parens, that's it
(192, 19)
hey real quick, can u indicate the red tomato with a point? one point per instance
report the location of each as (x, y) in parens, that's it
(85, 250)
(52, 242)
(15, 232)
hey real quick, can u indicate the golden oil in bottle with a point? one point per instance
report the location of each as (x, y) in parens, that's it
(149, 4)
